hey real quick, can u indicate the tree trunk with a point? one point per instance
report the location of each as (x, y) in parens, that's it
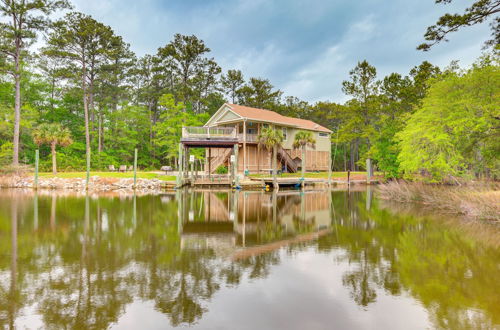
(99, 133)
(150, 129)
(275, 180)
(85, 108)
(54, 162)
(303, 162)
(91, 110)
(17, 105)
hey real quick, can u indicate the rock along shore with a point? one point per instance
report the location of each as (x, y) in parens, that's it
(78, 184)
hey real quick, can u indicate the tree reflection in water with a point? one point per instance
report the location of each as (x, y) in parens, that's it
(78, 261)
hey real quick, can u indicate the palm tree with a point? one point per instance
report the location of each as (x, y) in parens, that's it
(272, 140)
(53, 134)
(302, 140)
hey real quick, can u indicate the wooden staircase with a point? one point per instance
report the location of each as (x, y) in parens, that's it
(219, 159)
(287, 160)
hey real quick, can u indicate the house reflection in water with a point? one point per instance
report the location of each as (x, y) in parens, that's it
(229, 220)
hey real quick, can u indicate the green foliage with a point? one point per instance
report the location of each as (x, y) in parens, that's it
(168, 130)
(478, 12)
(143, 103)
(270, 138)
(52, 134)
(6, 153)
(303, 139)
(453, 133)
(221, 170)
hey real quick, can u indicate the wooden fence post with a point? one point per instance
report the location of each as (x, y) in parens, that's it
(87, 177)
(368, 170)
(135, 167)
(35, 183)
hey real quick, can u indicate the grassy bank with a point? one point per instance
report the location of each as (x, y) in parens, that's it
(118, 175)
(478, 201)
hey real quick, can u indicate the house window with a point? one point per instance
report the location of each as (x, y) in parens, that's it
(284, 132)
(323, 134)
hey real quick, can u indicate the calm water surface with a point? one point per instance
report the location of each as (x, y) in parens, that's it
(241, 260)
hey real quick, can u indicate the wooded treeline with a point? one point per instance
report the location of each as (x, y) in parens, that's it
(431, 121)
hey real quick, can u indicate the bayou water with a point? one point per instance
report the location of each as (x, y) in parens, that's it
(242, 260)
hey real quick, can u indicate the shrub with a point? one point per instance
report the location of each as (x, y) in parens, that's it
(221, 170)
(6, 153)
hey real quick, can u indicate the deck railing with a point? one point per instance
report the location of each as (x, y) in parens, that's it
(216, 133)
(250, 137)
(209, 132)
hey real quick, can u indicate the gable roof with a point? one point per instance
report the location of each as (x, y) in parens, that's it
(263, 115)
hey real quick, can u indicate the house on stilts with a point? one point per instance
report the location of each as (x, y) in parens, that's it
(236, 125)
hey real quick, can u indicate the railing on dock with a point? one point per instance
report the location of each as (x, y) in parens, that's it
(209, 133)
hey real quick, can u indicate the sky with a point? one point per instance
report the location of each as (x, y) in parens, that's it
(306, 48)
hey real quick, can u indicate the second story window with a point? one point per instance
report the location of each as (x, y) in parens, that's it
(284, 132)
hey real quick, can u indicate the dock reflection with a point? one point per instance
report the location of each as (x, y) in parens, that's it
(237, 219)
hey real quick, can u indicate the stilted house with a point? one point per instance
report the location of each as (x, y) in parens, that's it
(241, 125)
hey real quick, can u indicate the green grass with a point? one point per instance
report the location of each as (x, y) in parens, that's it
(81, 175)
(313, 175)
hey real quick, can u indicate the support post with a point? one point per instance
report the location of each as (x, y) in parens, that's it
(236, 147)
(275, 180)
(35, 183)
(209, 163)
(179, 167)
(87, 177)
(303, 167)
(368, 170)
(244, 147)
(135, 167)
(192, 169)
(330, 167)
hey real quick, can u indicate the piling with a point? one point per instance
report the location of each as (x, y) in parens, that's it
(135, 167)
(35, 184)
(87, 177)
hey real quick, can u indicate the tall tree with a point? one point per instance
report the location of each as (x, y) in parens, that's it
(231, 82)
(84, 44)
(455, 131)
(186, 56)
(363, 87)
(24, 19)
(480, 11)
(260, 93)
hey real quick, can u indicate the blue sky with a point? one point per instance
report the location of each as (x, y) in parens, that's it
(305, 47)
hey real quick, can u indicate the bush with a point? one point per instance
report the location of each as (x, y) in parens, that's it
(221, 170)
(6, 153)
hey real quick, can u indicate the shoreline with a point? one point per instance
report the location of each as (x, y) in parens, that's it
(154, 185)
(475, 200)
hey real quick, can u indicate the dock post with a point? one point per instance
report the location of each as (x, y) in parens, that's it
(330, 168)
(303, 167)
(135, 167)
(35, 183)
(179, 167)
(236, 147)
(87, 177)
(368, 170)
(209, 163)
